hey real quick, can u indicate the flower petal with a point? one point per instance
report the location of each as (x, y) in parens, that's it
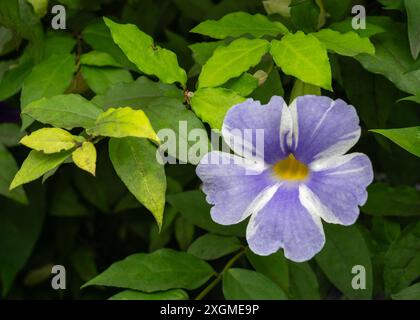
(337, 187)
(235, 188)
(323, 127)
(285, 223)
(244, 123)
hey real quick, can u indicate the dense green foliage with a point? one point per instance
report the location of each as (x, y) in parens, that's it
(80, 112)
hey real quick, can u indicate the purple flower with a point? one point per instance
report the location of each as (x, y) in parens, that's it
(306, 174)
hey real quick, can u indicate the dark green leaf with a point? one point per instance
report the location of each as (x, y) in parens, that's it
(174, 294)
(345, 248)
(303, 282)
(8, 170)
(193, 205)
(161, 270)
(384, 200)
(273, 266)
(242, 284)
(212, 246)
(402, 261)
(19, 231)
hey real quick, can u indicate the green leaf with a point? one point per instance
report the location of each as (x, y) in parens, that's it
(19, 16)
(402, 261)
(243, 85)
(384, 200)
(12, 81)
(406, 138)
(393, 60)
(345, 26)
(304, 57)
(83, 261)
(57, 42)
(242, 284)
(346, 44)
(8, 170)
(141, 50)
(170, 114)
(135, 162)
(161, 270)
(40, 7)
(372, 95)
(98, 36)
(392, 4)
(202, 51)
(211, 104)
(301, 88)
(193, 206)
(8, 41)
(410, 293)
(303, 282)
(231, 61)
(50, 140)
(184, 232)
(272, 85)
(85, 157)
(99, 59)
(101, 79)
(413, 12)
(49, 78)
(10, 134)
(137, 94)
(123, 122)
(305, 15)
(19, 231)
(64, 201)
(273, 266)
(240, 23)
(66, 111)
(345, 248)
(174, 294)
(212, 246)
(385, 230)
(415, 99)
(36, 164)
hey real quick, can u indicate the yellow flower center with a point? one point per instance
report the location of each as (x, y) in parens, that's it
(291, 169)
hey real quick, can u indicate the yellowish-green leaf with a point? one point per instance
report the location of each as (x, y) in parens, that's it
(346, 44)
(36, 164)
(240, 23)
(85, 157)
(98, 59)
(211, 104)
(231, 61)
(40, 7)
(49, 140)
(149, 58)
(304, 57)
(123, 122)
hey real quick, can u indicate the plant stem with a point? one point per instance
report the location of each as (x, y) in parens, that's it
(219, 277)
